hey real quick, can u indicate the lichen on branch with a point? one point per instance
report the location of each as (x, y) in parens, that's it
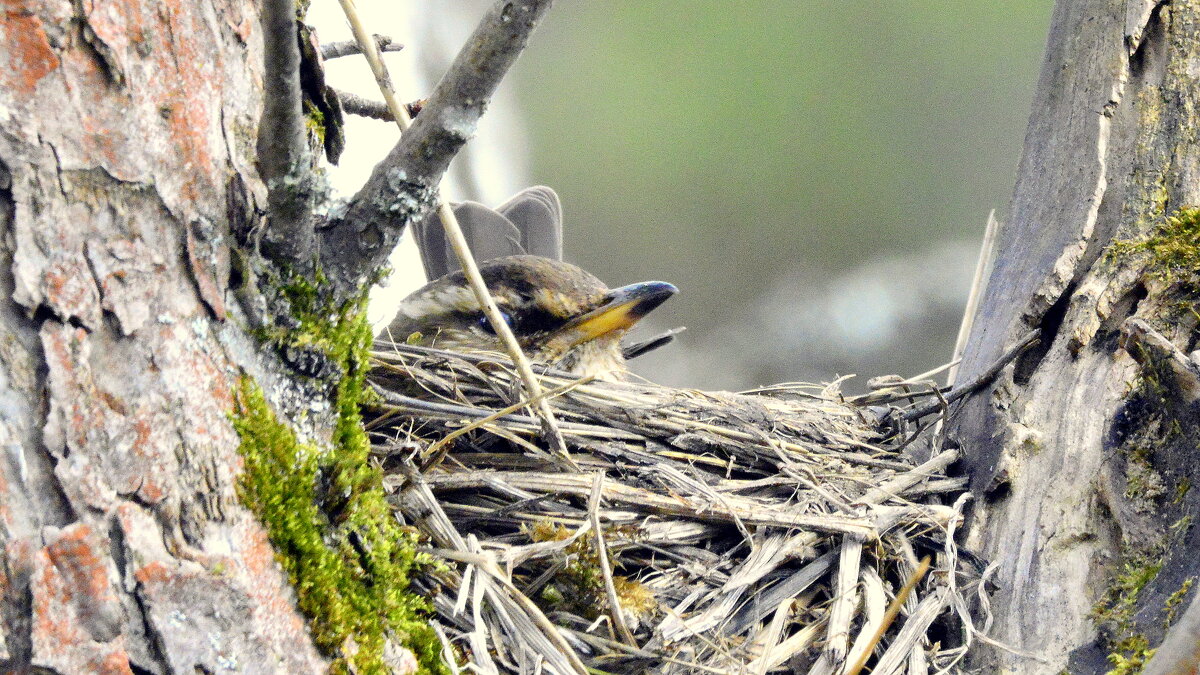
(287, 166)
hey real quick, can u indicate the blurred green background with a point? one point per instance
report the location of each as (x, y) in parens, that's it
(814, 176)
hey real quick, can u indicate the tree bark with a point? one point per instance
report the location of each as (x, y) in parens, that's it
(158, 373)
(1082, 453)
(127, 143)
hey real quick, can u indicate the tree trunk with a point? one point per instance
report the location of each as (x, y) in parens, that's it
(127, 139)
(1082, 453)
(185, 336)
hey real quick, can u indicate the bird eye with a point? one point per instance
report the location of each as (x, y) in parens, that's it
(486, 326)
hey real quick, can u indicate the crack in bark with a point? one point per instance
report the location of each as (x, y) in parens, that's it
(103, 53)
(121, 555)
(1134, 43)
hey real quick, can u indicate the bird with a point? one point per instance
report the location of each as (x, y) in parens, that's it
(561, 315)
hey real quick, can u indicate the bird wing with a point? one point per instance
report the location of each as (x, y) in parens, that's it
(529, 222)
(537, 214)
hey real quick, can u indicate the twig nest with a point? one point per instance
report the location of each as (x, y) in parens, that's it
(739, 532)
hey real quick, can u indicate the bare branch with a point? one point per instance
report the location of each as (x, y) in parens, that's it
(336, 50)
(403, 187)
(353, 104)
(979, 382)
(283, 154)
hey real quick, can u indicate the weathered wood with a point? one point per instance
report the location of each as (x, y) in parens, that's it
(1066, 500)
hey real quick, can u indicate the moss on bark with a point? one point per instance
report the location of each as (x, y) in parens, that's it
(334, 533)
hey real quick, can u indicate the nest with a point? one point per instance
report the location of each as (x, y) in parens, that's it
(687, 532)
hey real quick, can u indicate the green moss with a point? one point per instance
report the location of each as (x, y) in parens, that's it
(1171, 607)
(1180, 527)
(1152, 429)
(306, 328)
(580, 586)
(314, 121)
(1130, 656)
(1174, 248)
(1129, 648)
(345, 554)
(1121, 596)
(1143, 483)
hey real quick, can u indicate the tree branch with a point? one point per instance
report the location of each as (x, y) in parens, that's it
(353, 104)
(454, 234)
(336, 50)
(978, 383)
(283, 154)
(403, 187)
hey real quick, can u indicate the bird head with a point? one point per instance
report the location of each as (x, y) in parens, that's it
(560, 314)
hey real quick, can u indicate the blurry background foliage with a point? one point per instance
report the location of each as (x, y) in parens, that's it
(815, 176)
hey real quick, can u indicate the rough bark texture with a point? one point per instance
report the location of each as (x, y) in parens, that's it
(127, 138)
(1080, 457)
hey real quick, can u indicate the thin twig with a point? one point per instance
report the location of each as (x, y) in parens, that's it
(894, 487)
(983, 380)
(770, 638)
(370, 50)
(983, 268)
(438, 450)
(914, 631)
(358, 239)
(845, 600)
(874, 609)
(454, 233)
(610, 588)
(407, 404)
(353, 104)
(495, 317)
(447, 652)
(336, 50)
(438, 525)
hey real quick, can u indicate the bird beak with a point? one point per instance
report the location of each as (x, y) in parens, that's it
(624, 307)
